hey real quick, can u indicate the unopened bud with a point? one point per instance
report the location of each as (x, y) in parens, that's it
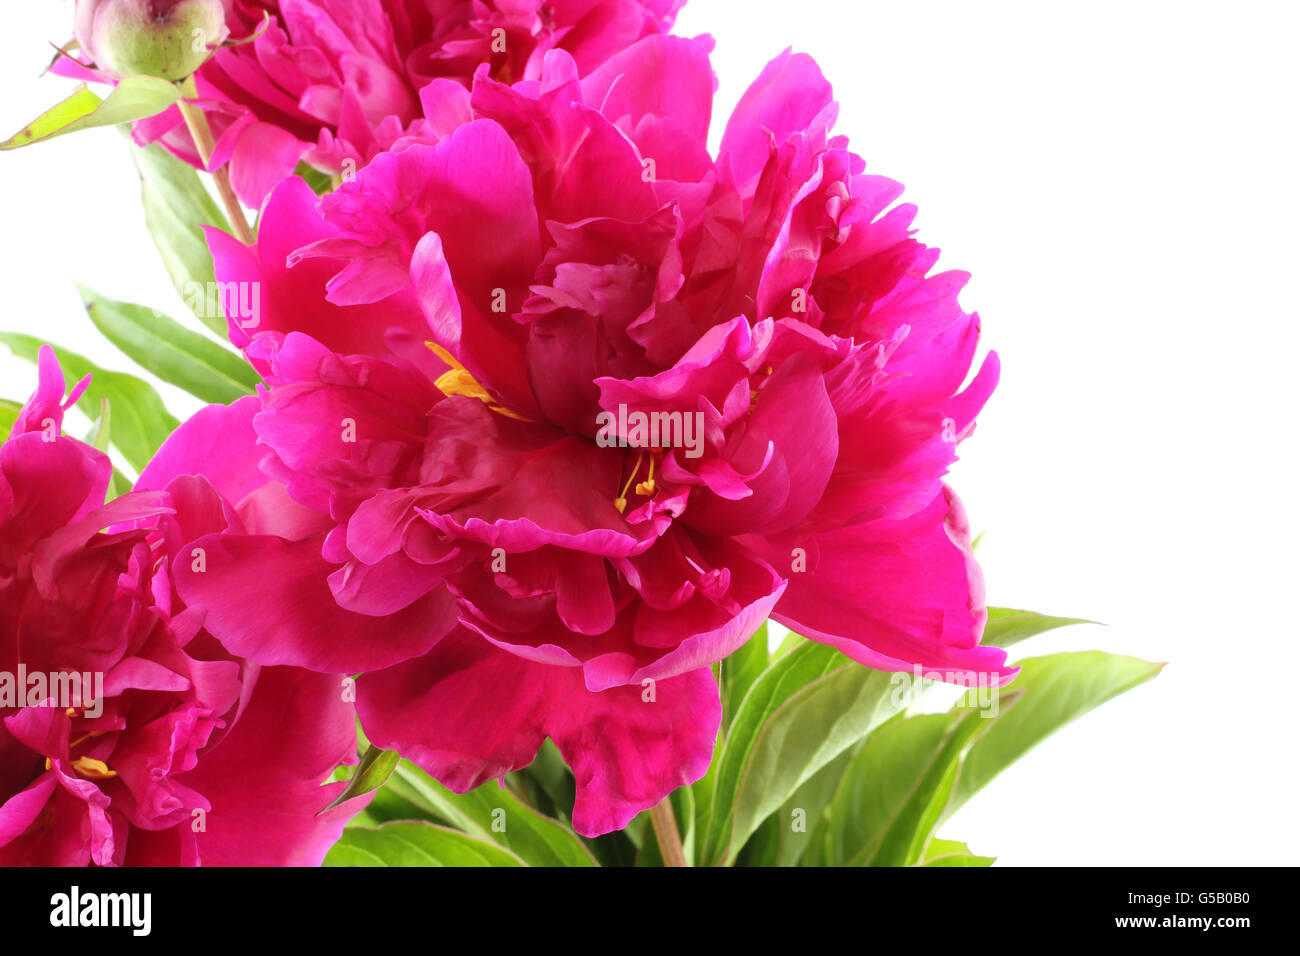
(164, 38)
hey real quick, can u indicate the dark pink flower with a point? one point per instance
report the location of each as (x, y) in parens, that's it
(505, 547)
(334, 82)
(128, 736)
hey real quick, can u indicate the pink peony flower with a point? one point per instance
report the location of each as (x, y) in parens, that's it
(334, 82)
(128, 736)
(506, 547)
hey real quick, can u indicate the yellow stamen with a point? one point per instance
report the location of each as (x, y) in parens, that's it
(647, 487)
(86, 736)
(442, 353)
(458, 380)
(93, 769)
(621, 501)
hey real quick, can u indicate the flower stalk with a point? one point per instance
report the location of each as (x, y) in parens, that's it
(204, 142)
(664, 822)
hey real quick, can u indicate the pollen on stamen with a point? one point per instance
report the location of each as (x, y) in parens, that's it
(458, 380)
(648, 486)
(621, 501)
(93, 769)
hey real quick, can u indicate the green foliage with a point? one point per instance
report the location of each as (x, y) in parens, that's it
(820, 762)
(141, 423)
(133, 98)
(176, 355)
(8, 415)
(415, 843)
(176, 208)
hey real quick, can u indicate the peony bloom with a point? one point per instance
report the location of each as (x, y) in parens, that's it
(664, 397)
(138, 739)
(334, 82)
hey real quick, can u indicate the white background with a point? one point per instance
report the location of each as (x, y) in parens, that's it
(1121, 179)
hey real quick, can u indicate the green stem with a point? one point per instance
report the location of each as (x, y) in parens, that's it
(204, 143)
(664, 822)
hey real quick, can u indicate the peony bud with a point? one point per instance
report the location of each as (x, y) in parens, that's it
(165, 38)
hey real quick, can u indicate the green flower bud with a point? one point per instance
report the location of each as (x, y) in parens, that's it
(165, 38)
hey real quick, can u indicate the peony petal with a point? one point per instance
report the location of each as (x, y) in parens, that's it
(469, 713)
(269, 600)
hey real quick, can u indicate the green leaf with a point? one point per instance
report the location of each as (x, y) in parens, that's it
(134, 98)
(99, 438)
(913, 773)
(617, 848)
(739, 671)
(1008, 626)
(8, 415)
(176, 208)
(101, 429)
(171, 351)
(319, 182)
(702, 795)
(1053, 691)
(494, 814)
(548, 777)
(952, 853)
(140, 420)
(118, 485)
(373, 771)
(803, 711)
(814, 799)
(411, 843)
(795, 834)
(892, 795)
(788, 643)
(384, 807)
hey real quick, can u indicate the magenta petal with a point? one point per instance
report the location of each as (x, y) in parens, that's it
(45, 485)
(791, 436)
(632, 746)
(43, 412)
(893, 594)
(784, 99)
(281, 299)
(263, 156)
(465, 712)
(269, 600)
(468, 713)
(657, 76)
(264, 779)
(217, 442)
(392, 585)
(22, 809)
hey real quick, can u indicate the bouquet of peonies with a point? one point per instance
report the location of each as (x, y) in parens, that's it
(528, 413)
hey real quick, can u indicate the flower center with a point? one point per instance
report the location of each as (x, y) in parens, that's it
(458, 380)
(645, 488)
